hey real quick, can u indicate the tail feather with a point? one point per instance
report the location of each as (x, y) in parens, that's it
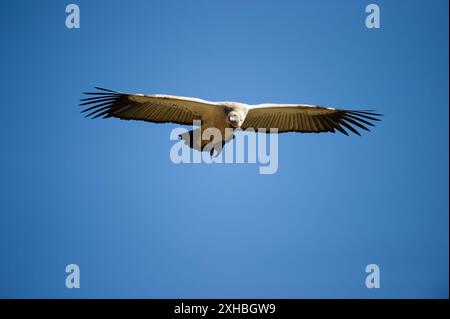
(190, 137)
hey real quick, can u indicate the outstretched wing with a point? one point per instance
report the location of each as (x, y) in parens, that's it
(151, 108)
(307, 118)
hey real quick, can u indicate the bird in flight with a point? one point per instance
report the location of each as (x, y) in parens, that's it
(224, 116)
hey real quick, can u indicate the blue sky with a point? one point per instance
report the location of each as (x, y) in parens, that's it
(104, 194)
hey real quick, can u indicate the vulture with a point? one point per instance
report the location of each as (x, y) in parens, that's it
(225, 116)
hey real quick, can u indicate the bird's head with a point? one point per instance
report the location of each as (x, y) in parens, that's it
(235, 119)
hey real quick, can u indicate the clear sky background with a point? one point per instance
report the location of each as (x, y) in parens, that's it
(104, 194)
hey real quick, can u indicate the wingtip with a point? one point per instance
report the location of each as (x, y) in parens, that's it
(103, 89)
